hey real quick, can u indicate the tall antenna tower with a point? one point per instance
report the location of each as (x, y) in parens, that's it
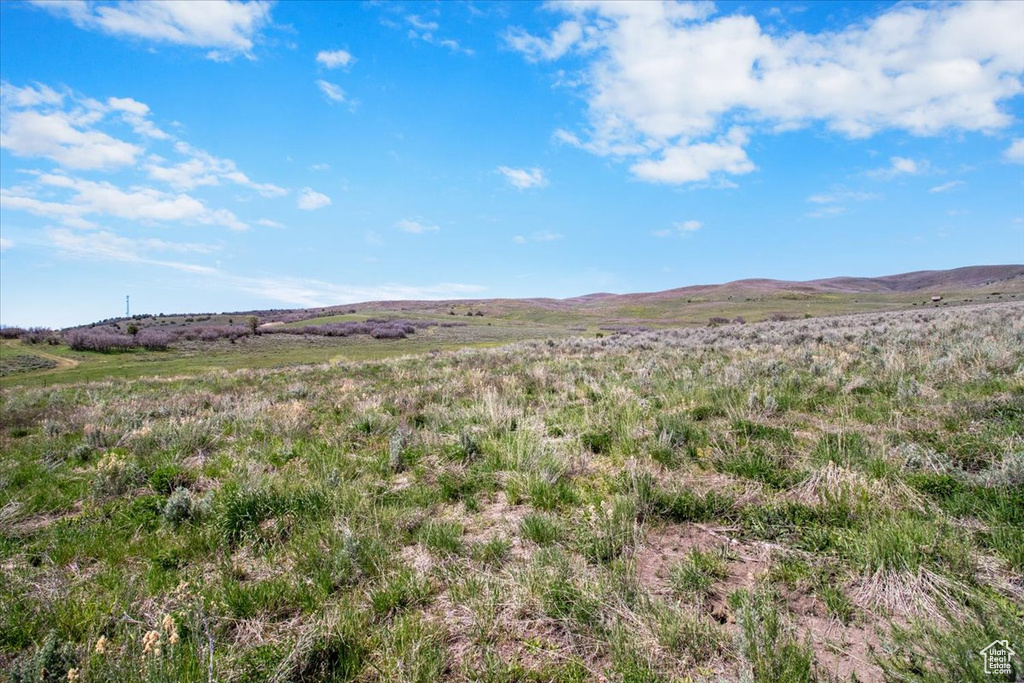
(127, 308)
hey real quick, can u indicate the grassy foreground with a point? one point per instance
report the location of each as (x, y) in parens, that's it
(807, 500)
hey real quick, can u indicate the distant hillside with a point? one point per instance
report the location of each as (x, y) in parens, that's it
(957, 279)
(753, 298)
(924, 281)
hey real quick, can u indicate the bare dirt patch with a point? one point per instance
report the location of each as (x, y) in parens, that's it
(668, 545)
(843, 650)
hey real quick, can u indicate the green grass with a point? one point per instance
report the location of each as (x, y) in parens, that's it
(631, 508)
(698, 572)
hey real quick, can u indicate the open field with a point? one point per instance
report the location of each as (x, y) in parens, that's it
(785, 501)
(449, 325)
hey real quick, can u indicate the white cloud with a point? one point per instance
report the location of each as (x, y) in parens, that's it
(425, 30)
(201, 168)
(30, 97)
(416, 226)
(834, 202)
(537, 49)
(5, 244)
(108, 246)
(91, 198)
(946, 187)
(65, 128)
(135, 113)
(320, 167)
(899, 166)
(226, 27)
(827, 211)
(523, 178)
(540, 236)
(331, 91)
(65, 137)
(665, 82)
(332, 59)
(127, 104)
(696, 162)
(310, 200)
(312, 293)
(681, 228)
(267, 223)
(837, 196)
(421, 24)
(1015, 152)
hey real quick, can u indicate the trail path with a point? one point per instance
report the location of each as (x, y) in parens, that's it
(62, 362)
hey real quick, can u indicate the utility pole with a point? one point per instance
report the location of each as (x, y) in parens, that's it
(127, 308)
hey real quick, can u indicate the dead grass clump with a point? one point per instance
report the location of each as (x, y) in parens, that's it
(922, 594)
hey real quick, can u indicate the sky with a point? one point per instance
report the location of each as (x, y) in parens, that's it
(226, 156)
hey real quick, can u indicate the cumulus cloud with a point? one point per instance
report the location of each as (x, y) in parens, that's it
(523, 178)
(34, 122)
(1015, 152)
(899, 166)
(104, 199)
(226, 28)
(310, 200)
(5, 244)
(67, 128)
(332, 59)
(331, 91)
(416, 226)
(696, 162)
(665, 82)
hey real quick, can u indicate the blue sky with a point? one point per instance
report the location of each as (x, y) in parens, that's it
(205, 156)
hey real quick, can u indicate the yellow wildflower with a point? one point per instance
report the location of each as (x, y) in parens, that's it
(101, 645)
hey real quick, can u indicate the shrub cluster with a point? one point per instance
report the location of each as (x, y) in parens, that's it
(107, 339)
(625, 329)
(211, 333)
(374, 327)
(32, 335)
(98, 339)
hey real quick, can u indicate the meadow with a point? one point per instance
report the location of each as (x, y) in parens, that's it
(835, 498)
